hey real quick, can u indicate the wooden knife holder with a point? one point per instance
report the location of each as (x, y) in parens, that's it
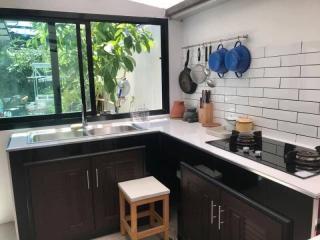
(206, 115)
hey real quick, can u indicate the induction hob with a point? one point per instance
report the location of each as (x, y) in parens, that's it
(295, 160)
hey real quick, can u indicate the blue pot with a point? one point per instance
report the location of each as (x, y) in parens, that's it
(216, 61)
(238, 59)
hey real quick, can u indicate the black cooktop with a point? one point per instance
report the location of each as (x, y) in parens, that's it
(295, 160)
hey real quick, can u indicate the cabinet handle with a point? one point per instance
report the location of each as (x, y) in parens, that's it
(88, 180)
(97, 177)
(219, 217)
(212, 216)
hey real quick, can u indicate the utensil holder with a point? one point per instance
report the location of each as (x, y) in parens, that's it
(206, 113)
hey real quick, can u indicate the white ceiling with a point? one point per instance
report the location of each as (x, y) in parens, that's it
(159, 3)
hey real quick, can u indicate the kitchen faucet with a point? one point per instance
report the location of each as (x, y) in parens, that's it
(84, 117)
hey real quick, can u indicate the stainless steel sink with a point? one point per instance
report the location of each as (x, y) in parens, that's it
(68, 133)
(107, 130)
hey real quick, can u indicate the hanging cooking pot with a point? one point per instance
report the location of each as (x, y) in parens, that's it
(238, 59)
(216, 61)
(185, 81)
(198, 72)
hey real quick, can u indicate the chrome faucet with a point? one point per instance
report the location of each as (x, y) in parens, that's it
(84, 117)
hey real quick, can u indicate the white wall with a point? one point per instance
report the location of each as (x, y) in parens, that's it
(175, 63)
(6, 200)
(108, 7)
(281, 90)
(266, 21)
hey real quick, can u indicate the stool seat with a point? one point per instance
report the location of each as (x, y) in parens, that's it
(143, 188)
(144, 192)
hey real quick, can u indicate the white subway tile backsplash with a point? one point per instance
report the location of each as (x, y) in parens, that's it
(300, 59)
(283, 136)
(263, 102)
(282, 72)
(264, 122)
(294, 48)
(254, 73)
(219, 106)
(265, 62)
(301, 129)
(237, 100)
(230, 91)
(313, 46)
(307, 141)
(310, 71)
(218, 81)
(217, 98)
(218, 114)
(302, 83)
(229, 107)
(237, 82)
(265, 82)
(255, 111)
(299, 106)
(290, 83)
(233, 115)
(281, 93)
(280, 115)
(309, 119)
(309, 95)
(218, 90)
(251, 92)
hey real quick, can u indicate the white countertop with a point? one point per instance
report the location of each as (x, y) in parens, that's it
(195, 134)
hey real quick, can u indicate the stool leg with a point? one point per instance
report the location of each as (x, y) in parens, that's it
(134, 225)
(166, 217)
(122, 212)
(152, 218)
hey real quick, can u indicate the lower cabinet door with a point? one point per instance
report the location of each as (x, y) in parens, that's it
(62, 200)
(242, 220)
(109, 169)
(199, 206)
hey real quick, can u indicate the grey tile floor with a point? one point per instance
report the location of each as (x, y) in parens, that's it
(7, 232)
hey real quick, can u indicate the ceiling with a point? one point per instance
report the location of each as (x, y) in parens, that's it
(159, 3)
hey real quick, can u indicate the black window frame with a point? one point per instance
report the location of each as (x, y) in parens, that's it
(86, 19)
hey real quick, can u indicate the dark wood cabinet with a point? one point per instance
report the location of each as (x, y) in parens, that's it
(210, 211)
(199, 207)
(239, 220)
(77, 197)
(109, 169)
(62, 199)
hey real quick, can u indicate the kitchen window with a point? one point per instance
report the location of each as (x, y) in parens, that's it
(55, 65)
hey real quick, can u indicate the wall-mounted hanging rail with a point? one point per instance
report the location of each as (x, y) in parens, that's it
(245, 36)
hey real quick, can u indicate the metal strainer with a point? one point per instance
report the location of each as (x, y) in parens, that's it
(198, 71)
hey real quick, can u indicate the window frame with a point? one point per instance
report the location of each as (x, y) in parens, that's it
(86, 19)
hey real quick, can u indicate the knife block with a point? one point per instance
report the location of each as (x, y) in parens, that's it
(206, 115)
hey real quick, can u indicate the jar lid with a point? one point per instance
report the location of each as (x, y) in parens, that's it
(244, 120)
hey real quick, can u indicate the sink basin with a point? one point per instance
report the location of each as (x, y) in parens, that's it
(68, 133)
(107, 130)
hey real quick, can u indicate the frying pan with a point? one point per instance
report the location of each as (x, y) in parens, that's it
(198, 72)
(185, 81)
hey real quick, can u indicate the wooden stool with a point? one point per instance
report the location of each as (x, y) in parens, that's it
(141, 192)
